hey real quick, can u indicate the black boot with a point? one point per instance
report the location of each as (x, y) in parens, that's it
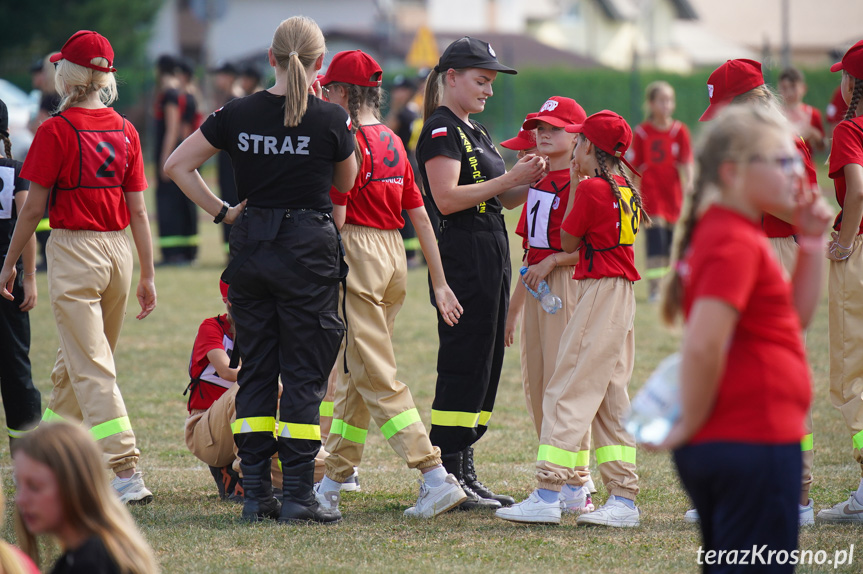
(454, 465)
(258, 502)
(298, 496)
(228, 482)
(473, 482)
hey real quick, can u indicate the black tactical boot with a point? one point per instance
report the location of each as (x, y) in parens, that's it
(298, 497)
(228, 482)
(473, 482)
(454, 465)
(258, 501)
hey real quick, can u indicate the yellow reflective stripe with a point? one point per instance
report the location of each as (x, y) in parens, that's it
(857, 439)
(299, 431)
(656, 272)
(616, 452)
(348, 432)
(582, 458)
(178, 241)
(557, 456)
(111, 427)
(484, 417)
(44, 225)
(50, 416)
(15, 433)
(399, 422)
(253, 424)
(454, 419)
(326, 409)
(807, 442)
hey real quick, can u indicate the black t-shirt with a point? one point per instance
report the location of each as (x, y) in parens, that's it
(170, 96)
(276, 166)
(445, 134)
(90, 558)
(10, 184)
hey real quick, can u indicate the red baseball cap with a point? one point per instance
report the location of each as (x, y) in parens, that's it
(525, 138)
(354, 67)
(83, 46)
(559, 112)
(609, 132)
(223, 287)
(852, 61)
(728, 81)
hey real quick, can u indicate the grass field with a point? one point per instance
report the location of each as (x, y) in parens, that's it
(191, 530)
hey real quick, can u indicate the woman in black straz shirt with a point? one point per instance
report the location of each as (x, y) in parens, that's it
(287, 148)
(467, 180)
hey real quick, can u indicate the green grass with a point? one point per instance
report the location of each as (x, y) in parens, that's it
(191, 530)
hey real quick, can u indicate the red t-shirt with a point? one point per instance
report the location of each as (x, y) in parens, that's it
(88, 178)
(214, 333)
(607, 232)
(847, 149)
(775, 227)
(837, 107)
(764, 390)
(385, 185)
(658, 154)
(541, 216)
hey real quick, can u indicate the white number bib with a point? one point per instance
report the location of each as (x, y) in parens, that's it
(7, 191)
(540, 205)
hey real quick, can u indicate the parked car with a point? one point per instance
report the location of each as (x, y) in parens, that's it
(21, 109)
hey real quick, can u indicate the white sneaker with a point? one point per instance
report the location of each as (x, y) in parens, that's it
(329, 499)
(534, 510)
(352, 483)
(613, 513)
(434, 500)
(807, 514)
(847, 511)
(591, 488)
(132, 491)
(578, 504)
(691, 516)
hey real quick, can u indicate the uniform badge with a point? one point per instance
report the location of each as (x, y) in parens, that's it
(491, 51)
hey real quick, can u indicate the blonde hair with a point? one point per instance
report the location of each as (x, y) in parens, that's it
(736, 133)
(650, 93)
(9, 560)
(297, 43)
(90, 504)
(75, 83)
(761, 95)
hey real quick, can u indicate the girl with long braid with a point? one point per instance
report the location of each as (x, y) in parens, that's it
(845, 287)
(597, 350)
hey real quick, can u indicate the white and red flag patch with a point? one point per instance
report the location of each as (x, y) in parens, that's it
(436, 133)
(349, 124)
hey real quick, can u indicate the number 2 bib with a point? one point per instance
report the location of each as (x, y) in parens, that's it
(104, 157)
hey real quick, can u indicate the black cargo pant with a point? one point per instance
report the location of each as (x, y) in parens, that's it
(178, 223)
(21, 400)
(287, 325)
(475, 254)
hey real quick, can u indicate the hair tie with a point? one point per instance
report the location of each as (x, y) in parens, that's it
(293, 54)
(437, 69)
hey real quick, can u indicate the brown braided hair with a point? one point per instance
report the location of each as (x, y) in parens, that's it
(604, 159)
(7, 143)
(358, 96)
(856, 94)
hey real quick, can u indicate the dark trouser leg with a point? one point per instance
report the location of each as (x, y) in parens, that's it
(172, 213)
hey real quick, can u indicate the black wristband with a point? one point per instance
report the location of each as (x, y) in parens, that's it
(221, 215)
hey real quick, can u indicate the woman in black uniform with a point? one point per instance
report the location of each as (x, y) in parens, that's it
(287, 148)
(469, 186)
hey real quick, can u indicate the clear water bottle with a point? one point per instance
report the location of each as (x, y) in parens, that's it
(550, 302)
(656, 407)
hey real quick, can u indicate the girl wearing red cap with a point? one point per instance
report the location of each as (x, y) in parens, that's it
(846, 268)
(595, 360)
(369, 216)
(86, 162)
(661, 151)
(468, 183)
(744, 378)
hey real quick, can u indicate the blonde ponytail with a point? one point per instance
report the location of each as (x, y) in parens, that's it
(297, 44)
(75, 83)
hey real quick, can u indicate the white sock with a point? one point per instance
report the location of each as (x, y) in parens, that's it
(435, 477)
(329, 485)
(859, 494)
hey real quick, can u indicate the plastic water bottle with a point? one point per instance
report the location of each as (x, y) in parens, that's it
(656, 407)
(550, 302)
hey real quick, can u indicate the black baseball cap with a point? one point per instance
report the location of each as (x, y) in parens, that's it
(4, 119)
(469, 52)
(224, 67)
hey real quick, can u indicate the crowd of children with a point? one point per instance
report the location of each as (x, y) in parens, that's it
(586, 184)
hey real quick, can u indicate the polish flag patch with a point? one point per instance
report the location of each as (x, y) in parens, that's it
(349, 124)
(438, 132)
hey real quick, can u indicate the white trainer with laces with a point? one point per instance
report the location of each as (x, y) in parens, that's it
(691, 516)
(352, 483)
(329, 499)
(847, 511)
(589, 485)
(578, 504)
(434, 500)
(807, 513)
(132, 491)
(533, 510)
(613, 513)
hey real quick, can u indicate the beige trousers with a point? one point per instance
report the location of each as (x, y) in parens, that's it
(375, 292)
(589, 387)
(845, 294)
(89, 276)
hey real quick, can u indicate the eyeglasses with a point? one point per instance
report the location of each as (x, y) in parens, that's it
(789, 164)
